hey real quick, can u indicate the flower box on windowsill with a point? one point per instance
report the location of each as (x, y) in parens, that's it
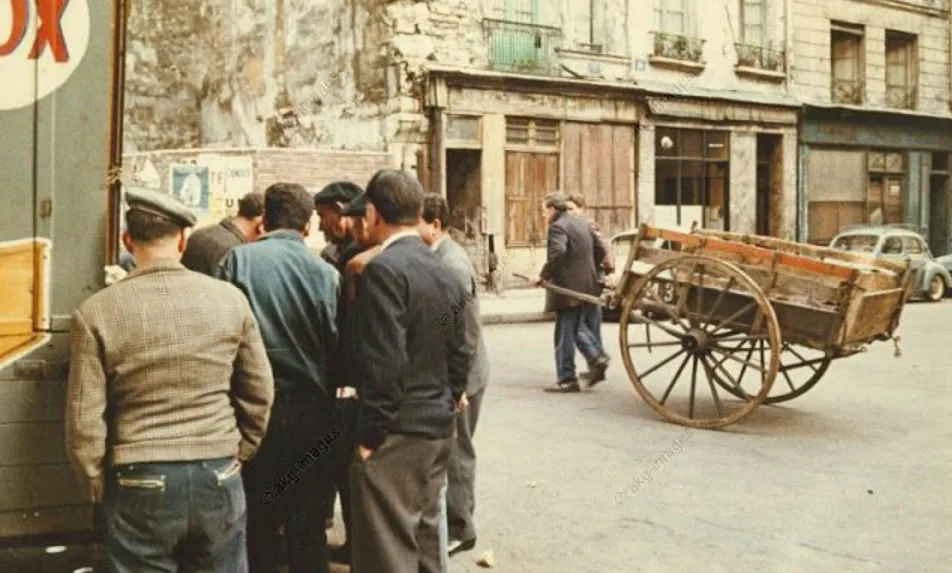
(676, 64)
(759, 74)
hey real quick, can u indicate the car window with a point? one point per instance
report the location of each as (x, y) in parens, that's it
(913, 245)
(892, 246)
(856, 243)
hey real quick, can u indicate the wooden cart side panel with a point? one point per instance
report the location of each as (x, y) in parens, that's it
(871, 316)
(793, 248)
(713, 246)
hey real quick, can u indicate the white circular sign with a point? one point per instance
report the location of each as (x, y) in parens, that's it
(42, 42)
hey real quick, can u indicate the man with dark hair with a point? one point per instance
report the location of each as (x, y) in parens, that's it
(294, 295)
(336, 228)
(460, 496)
(208, 246)
(412, 367)
(575, 205)
(169, 394)
(572, 249)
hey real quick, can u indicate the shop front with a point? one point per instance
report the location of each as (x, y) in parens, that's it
(862, 167)
(726, 165)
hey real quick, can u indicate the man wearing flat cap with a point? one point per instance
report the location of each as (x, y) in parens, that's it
(328, 203)
(169, 394)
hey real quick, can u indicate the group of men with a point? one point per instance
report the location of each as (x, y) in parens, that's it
(210, 411)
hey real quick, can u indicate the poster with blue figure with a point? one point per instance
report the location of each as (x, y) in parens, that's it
(190, 185)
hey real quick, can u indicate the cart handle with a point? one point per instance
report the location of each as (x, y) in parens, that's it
(597, 301)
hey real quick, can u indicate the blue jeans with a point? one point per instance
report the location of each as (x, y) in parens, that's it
(176, 516)
(574, 329)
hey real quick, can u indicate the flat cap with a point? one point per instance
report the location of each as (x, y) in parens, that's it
(338, 192)
(357, 207)
(161, 205)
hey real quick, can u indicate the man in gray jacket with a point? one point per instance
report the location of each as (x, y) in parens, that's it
(460, 498)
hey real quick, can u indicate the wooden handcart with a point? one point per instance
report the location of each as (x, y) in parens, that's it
(725, 315)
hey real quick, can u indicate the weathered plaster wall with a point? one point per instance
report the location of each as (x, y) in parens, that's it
(811, 78)
(743, 182)
(276, 73)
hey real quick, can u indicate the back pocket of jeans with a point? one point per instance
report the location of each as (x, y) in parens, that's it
(140, 495)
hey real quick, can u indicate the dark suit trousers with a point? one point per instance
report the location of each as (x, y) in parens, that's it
(461, 492)
(395, 504)
(287, 481)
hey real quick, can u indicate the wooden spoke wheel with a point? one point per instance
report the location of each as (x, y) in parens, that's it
(680, 325)
(800, 369)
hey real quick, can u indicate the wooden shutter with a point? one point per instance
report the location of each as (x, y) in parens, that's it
(598, 163)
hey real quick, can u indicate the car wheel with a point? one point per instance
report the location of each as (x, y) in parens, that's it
(936, 288)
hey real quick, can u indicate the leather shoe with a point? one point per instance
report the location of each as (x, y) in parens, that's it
(596, 371)
(460, 546)
(567, 387)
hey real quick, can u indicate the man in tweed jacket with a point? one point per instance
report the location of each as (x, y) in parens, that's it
(169, 392)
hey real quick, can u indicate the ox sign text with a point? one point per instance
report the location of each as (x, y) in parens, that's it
(42, 42)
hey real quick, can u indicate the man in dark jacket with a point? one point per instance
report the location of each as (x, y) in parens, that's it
(294, 296)
(207, 246)
(573, 250)
(460, 495)
(576, 206)
(413, 367)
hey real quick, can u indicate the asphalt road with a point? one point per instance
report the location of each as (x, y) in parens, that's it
(852, 476)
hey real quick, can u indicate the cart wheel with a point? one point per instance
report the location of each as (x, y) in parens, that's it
(800, 369)
(716, 307)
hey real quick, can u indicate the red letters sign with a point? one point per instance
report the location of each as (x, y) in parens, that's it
(49, 33)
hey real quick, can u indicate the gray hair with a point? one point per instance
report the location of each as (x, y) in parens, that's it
(556, 200)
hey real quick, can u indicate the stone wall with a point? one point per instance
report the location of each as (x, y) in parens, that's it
(927, 19)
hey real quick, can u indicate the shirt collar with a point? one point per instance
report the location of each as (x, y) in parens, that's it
(156, 266)
(283, 234)
(397, 236)
(438, 242)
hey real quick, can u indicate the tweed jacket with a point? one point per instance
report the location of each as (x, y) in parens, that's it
(458, 261)
(165, 365)
(573, 254)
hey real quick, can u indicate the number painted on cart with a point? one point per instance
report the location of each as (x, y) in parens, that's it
(42, 42)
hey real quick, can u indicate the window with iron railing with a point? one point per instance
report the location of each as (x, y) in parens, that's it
(675, 35)
(755, 50)
(847, 57)
(901, 68)
(523, 37)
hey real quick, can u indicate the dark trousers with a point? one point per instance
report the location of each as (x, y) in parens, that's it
(573, 329)
(176, 516)
(286, 483)
(461, 491)
(396, 506)
(346, 420)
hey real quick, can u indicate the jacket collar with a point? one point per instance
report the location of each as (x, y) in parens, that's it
(283, 235)
(156, 266)
(401, 235)
(229, 224)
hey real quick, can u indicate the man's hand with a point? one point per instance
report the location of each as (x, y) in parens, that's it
(364, 453)
(536, 281)
(462, 404)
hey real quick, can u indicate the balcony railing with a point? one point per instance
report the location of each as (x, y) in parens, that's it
(847, 91)
(523, 48)
(758, 57)
(678, 47)
(901, 97)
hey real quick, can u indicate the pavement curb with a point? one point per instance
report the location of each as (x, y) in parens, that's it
(518, 318)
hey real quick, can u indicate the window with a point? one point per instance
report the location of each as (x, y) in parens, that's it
(846, 43)
(913, 246)
(523, 37)
(886, 187)
(692, 177)
(532, 132)
(900, 70)
(754, 21)
(892, 246)
(589, 18)
(461, 128)
(674, 17)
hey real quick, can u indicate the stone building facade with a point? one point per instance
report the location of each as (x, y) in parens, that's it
(876, 133)
(664, 111)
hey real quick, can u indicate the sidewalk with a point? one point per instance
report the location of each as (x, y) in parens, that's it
(514, 306)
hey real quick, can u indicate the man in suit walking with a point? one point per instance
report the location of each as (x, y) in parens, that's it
(576, 206)
(169, 394)
(413, 366)
(460, 497)
(572, 253)
(208, 246)
(294, 295)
